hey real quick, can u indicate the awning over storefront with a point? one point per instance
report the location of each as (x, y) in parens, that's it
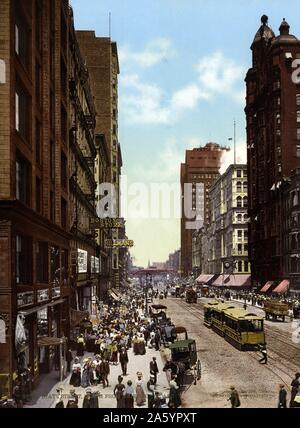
(78, 316)
(220, 280)
(51, 341)
(282, 287)
(203, 278)
(239, 280)
(266, 287)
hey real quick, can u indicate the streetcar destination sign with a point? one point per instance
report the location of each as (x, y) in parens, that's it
(107, 223)
(118, 243)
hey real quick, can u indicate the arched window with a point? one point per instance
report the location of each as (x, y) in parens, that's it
(245, 187)
(240, 266)
(239, 202)
(245, 217)
(239, 186)
(245, 201)
(239, 218)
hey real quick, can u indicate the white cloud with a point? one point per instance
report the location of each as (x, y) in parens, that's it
(147, 103)
(221, 75)
(156, 51)
(228, 157)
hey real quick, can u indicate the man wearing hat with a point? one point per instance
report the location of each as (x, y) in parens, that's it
(282, 397)
(73, 400)
(150, 391)
(123, 358)
(154, 369)
(295, 386)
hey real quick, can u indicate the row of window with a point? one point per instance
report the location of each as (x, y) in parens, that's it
(242, 187)
(242, 202)
(51, 263)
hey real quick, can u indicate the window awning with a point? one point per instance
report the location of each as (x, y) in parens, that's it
(203, 278)
(282, 287)
(266, 287)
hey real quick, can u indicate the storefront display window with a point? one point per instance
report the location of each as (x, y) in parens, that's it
(55, 266)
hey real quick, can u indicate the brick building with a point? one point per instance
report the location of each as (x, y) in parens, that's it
(201, 165)
(34, 197)
(273, 144)
(291, 231)
(84, 254)
(101, 56)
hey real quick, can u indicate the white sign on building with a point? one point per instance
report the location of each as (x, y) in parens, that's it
(2, 71)
(95, 264)
(82, 261)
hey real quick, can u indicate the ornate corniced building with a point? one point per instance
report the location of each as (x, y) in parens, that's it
(34, 192)
(85, 265)
(273, 144)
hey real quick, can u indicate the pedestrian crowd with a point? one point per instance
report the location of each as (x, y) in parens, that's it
(123, 327)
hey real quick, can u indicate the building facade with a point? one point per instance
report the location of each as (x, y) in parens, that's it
(291, 231)
(201, 165)
(101, 56)
(34, 194)
(84, 254)
(273, 145)
(228, 252)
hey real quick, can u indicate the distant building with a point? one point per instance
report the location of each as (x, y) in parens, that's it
(221, 247)
(201, 165)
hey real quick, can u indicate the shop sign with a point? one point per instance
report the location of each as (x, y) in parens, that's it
(82, 261)
(2, 331)
(107, 223)
(118, 243)
(95, 264)
(42, 295)
(25, 299)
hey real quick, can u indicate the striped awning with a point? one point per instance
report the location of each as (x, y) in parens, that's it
(266, 287)
(220, 280)
(238, 280)
(204, 279)
(282, 287)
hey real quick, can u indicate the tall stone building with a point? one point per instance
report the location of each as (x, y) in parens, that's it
(34, 192)
(201, 165)
(273, 143)
(229, 223)
(101, 56)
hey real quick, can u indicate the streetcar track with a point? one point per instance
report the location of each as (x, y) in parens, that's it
(252, 354)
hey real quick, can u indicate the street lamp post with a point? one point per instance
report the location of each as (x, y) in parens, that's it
(147, 286)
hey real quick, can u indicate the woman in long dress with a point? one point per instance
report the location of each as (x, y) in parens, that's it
(114, 353)
(80, 346)
(119, 393)
(129, 396)
(76, 373)
(85, 379)
(174, 398)
(140, 393)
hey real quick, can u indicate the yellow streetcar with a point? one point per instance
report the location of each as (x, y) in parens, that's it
(242, 329)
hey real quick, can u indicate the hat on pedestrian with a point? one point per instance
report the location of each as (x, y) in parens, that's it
(72, 390)
(89, 390)
(232, 387)
(140, 374)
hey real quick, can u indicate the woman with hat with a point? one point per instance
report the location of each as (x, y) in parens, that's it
(129, 396)
(85, 379)
(140, 393)
(119, 393)
(80, 346)
(76, 373)
(174, 396)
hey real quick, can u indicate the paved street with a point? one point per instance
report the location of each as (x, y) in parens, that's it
(223, 366)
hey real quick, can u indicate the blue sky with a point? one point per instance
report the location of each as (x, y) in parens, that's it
(183, 64)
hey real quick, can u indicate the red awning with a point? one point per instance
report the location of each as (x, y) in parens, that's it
(203, 279)
(282, 287)
(221, 280)
(266, 287)
(239, 280)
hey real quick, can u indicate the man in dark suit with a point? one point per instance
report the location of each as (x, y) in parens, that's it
(123, 358)
(154, 369)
